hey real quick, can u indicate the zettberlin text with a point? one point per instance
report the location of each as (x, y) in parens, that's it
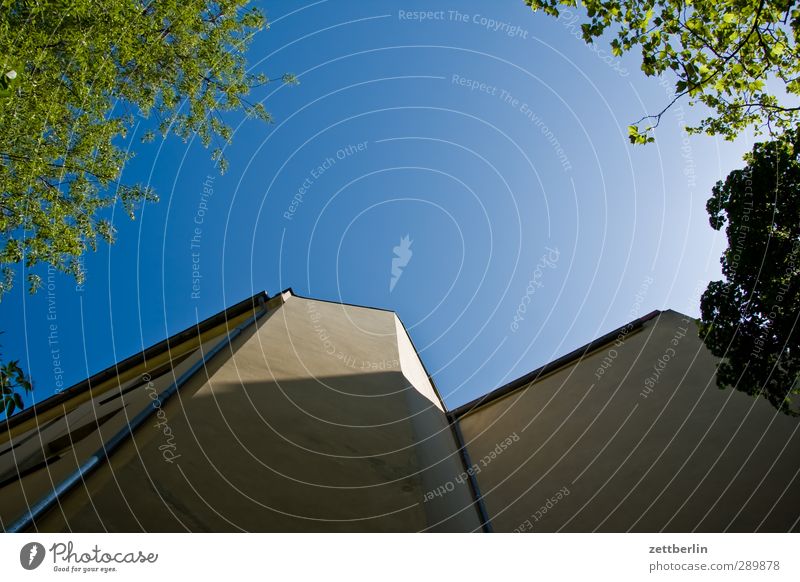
(673, 549)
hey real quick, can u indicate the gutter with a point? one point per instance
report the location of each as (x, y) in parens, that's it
(160, 353)
(523, 381)
(79, 475)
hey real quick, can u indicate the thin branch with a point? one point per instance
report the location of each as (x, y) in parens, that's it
(725, 60)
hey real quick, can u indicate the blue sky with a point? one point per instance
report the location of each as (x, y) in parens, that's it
(491, 136)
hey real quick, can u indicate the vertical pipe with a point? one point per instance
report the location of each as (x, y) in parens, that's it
(486, 523)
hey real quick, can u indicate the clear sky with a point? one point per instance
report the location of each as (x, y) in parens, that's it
(492, 137)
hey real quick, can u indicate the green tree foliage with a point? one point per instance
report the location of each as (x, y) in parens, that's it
(74, 75)
(751, 318)
(722, 53)
(13, 384)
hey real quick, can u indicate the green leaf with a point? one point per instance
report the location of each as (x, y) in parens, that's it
(703, 43)
(80, 72)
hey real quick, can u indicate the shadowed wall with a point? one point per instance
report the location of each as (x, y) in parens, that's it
(637, 437)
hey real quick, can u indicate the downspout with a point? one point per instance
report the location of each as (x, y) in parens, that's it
(48, 501)
(486, 523)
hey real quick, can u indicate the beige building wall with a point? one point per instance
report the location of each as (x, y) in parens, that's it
(44, 450)
(321, 417)
(315, 422)
(636, 436)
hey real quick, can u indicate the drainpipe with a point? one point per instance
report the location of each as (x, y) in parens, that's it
(48, 501)
(483, 515)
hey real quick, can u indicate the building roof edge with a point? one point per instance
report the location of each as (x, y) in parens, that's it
(564, 360)
(134, 360)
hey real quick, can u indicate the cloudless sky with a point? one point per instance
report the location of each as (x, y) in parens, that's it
(492, 136)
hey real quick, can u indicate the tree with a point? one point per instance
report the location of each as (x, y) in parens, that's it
(12, 379)
(751, 318)
(74, 74)
(722, 53)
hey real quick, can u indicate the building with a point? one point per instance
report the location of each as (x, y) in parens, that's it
(292, 414)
